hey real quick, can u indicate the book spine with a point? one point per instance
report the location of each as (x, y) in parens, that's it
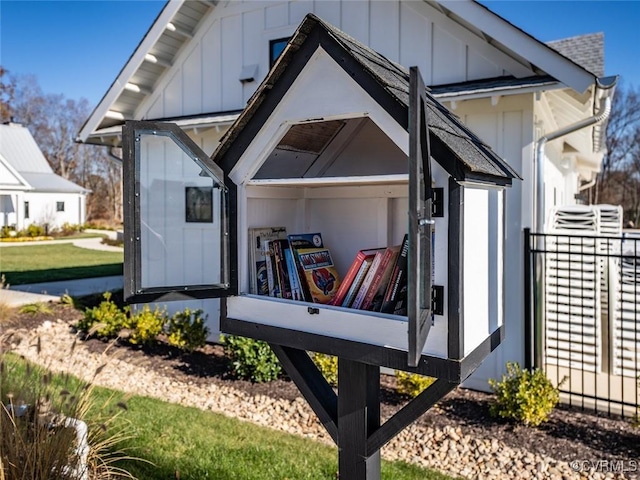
(348, 278)
(393, 295)
(296, 292)
(282, 275)
(377, 278)
(357, 303)
(271, 278)
(297, 242)
(357, 283)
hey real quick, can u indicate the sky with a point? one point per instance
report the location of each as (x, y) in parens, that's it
(77, 48)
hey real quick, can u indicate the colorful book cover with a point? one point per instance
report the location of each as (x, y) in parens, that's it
(358, 301)
(270, 266)
(320, 273)
(347, 280)
(282, 272)
(395, 298)
(296, 242)
(258, 268)
(378, 286)
(296, 291)
(357, 281)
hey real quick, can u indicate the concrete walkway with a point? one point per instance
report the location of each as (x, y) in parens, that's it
(52, 291)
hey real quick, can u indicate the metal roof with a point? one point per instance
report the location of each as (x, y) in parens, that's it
(19, 148)
(50, 182)
(454, 146)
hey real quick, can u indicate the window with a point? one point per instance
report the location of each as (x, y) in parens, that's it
(59, 206)
(275, 49)
(26, 209)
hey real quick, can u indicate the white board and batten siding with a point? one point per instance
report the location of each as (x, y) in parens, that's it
(205, 76)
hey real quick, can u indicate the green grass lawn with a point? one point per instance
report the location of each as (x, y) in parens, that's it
(172, 441)
(54, 262)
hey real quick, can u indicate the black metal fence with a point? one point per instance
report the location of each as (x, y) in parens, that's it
(583, 317)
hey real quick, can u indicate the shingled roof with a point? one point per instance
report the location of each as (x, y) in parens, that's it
(585, 50)
(463, 154)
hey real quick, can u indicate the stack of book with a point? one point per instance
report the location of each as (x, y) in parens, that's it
(376, 281)
(300, 267)
(295, 267)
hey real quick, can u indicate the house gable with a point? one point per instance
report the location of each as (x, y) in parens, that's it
(10, 179)
(202, 75)
(299, 87)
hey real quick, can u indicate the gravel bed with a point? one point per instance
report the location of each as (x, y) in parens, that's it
(448, 449)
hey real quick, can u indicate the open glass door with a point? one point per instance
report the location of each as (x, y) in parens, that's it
(176, 207)
(420, 223)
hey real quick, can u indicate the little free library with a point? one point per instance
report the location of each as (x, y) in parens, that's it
(349, 213)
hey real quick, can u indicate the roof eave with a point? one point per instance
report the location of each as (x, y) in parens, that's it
(118, 85)
(538, 53)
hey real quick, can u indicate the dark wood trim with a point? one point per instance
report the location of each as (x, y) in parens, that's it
(130, 210)
(358, 417)
(312, 384)
(133, 290)
(455, 294)
(446, 369)
(367, 81)
(270, 101)
(409, 413)
(471, 362)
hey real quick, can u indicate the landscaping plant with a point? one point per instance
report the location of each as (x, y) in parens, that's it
(187, 330)
(412, 384)
(44, 430)
(251, 359)
(523, 395)
(328, 365)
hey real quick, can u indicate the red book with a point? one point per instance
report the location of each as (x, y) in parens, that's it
(381, 277)
(351, 274)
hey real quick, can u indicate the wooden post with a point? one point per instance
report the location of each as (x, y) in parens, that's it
(358, 417)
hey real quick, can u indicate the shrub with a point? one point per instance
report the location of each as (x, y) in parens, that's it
(251, 359)
(145, 326)
(523, 395)
(68, 229)
(187, 329)
(412, 384)
(106, 320)
(35, 230)
(328, 365)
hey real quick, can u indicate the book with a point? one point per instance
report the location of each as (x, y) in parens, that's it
(366, 283)
(348, 278)
(357, 281)
(381, 279)
(296, 291)
(320, 273)
(296, 242)
(282, 272)
(270, 266)
(257, 264)
(395, 298)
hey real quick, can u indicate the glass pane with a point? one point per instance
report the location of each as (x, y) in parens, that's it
(181, 216)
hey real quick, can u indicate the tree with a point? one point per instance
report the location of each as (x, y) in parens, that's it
(618, 182)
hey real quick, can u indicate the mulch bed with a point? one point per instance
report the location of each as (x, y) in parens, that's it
(570, 434)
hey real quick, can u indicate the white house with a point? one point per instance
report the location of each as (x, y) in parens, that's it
(30, 193)
(542, 109)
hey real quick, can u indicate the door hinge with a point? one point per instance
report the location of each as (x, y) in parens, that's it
(437, 299)
(437, 202)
